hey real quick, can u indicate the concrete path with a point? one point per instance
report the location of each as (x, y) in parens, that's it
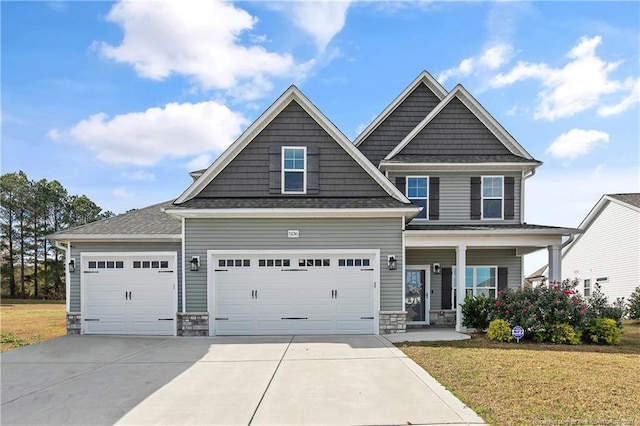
(427, 335)
(288, 380)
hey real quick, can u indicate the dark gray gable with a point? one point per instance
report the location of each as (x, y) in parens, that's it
(337, 173)
(455, 131)
(399, 123)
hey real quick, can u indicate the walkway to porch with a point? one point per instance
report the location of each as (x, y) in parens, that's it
(426, 335)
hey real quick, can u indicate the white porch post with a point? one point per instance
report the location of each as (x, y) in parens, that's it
(555, 273)
(461, 268)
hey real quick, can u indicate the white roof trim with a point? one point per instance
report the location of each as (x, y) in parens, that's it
(291, 94)
(593, 214)
(390, 166)
(408, 212)
(476, 109)
(425, 78)
(118, 237)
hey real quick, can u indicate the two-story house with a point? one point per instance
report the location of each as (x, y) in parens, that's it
(294, 229)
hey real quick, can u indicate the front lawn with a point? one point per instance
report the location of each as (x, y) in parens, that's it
(24, 322)
(527, 383)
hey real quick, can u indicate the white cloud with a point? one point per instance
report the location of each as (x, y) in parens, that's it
(322, 20)
(145, 138)
(624, 104)
(576, 142)
(140, 175)
(491, 58)
(122, 193)
(199, 40)
(200, 162)
(575, 87)
(54, 134)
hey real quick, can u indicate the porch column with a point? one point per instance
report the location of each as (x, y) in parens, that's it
(461, 265)
(555, 263)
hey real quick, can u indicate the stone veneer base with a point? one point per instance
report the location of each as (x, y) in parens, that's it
(74, 323)
(193, 324)
(444, 318)
(393, 322)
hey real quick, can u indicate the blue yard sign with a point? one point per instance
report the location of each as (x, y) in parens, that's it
(518, 333)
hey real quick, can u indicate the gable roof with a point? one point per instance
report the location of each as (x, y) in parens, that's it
(148, 223)
(460, 93)
(290, 95)
(632, 199)
(424, 78)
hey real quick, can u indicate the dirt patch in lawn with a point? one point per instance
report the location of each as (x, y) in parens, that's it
(508, 384)
(27, 323)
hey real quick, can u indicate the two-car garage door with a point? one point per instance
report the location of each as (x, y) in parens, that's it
(129, 293)
(293, 293)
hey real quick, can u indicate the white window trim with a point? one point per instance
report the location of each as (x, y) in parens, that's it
(283, 170)
(406, 192)
(482, 198)
(584, 287)
(475, 282)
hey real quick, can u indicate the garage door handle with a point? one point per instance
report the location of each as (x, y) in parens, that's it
(295, 318)
(165, 319)
(165, 272)
(367, 269)
(333, 294)
(366, 317)
(91, 272)
(91, 319)
(293, 270)
(222, 319)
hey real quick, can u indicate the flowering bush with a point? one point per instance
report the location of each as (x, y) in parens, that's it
(475, 313)
(599, 307)
(634, 304)
(499, 331)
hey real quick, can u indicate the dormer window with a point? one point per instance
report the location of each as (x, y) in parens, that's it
(418, 194)
(492, 197)
(294, 170)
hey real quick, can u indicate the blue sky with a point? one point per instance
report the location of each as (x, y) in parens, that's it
(119, 101)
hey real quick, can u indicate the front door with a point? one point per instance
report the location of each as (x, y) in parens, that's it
(416, 296)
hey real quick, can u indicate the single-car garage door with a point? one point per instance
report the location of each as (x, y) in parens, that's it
(128, 293)
(289, 293)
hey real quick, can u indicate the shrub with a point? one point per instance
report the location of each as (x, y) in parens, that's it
(499, 331)
(598, 307)
(475, 313)
(604, 331)
(563, 334)
(634, 304)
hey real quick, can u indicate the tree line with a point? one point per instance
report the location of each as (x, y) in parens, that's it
(31, 266)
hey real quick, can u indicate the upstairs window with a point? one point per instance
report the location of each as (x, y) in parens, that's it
(294, 170)
(492, 197)
(417, 193)
(587, 287)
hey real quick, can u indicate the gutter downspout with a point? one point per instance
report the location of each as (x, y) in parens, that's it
(67, 274)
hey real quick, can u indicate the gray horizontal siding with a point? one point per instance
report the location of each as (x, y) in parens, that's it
(78, 248)
(248, 174)
(271, 234)
(503, 258)
(455, 130)
(399, 123)
(455, 196)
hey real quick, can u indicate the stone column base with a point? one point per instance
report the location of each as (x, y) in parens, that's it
(193, 324)
(74, 323)
(393, 322)
(444, 318)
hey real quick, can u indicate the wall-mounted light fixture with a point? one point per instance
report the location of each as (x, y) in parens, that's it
(436, 268)
(391, 262)
(72, 265)
(195, 263)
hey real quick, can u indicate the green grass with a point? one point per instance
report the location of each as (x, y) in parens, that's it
(32, 322)
(527, 383)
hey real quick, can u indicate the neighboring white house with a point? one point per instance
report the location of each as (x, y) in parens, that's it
(608, 252)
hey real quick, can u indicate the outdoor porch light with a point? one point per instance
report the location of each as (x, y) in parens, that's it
(436, 268)
(72, 265)
(195, 263)
(391, 262)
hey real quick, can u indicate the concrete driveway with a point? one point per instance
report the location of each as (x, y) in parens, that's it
(289, 380)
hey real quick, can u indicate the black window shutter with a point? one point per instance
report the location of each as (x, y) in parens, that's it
(503, 278)
(313, 160)
(446, 287)
(434, 198)
(274, 170)
(401, 184)
(509, 197)
(476, 199)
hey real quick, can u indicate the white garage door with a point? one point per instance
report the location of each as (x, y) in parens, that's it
(129, 294)
(293, 293)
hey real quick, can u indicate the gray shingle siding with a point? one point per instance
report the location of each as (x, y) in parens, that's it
(384, 234)
(455, 130)
(248, 174)
(475, 257)
(399, 123)
(455, 196)
(78, 248)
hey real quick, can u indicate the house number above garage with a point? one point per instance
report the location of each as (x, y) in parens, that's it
(293, 233)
